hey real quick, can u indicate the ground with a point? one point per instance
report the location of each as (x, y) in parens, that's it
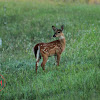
(23, 24)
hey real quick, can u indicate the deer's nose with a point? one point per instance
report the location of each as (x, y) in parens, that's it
(54, 35)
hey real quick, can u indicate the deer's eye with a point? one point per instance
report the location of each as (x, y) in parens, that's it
(58, 31)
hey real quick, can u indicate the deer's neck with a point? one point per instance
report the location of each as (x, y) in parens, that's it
(62, 41)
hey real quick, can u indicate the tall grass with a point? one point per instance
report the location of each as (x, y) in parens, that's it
(23, 24)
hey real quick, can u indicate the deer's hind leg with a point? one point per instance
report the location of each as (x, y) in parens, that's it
(37, 64)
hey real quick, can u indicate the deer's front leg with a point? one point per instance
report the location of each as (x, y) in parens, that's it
(45, 58)
(58, 59)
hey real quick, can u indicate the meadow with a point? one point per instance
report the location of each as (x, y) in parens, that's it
(25, 23)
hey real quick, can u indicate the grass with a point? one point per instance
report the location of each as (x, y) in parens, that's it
(23, 24)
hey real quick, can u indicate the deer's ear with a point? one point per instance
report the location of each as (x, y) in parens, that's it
(62, 27)
(54, 28)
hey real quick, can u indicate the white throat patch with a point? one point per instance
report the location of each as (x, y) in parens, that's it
(61, 37)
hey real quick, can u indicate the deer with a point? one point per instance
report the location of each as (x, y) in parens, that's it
(54, 48)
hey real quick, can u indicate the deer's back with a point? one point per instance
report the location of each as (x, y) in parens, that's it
(51, 48)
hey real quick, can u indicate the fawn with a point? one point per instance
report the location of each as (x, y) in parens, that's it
(54, 48)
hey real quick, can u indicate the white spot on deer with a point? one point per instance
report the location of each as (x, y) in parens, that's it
(61, 37)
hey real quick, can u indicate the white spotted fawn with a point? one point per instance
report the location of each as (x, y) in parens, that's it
(54, 48)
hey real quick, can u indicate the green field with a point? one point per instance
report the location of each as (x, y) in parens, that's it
(23, 24)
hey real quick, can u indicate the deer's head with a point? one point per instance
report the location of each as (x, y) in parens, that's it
(57, 32)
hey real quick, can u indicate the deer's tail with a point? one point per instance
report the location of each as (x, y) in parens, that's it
(37, 52)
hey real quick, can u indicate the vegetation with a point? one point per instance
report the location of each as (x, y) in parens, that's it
(23, 24)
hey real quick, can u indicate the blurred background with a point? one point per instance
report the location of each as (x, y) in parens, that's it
(24, 23)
